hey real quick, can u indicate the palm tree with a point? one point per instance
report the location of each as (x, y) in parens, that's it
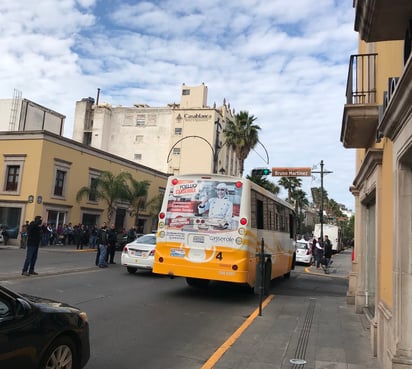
(137, 196)
(333, 210)
(242, 135)
(263, 182)
(301, 200)
(153, 207)
(290, 184)
(319, 197)
(109, 188)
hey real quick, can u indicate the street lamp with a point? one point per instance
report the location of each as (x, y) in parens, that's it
(322, 172)
(217, 145)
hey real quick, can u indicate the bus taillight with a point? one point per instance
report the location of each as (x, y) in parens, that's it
(161, 260)
(234, 267)
(243, 221)
(238, 184)
(162, 215)
(175, 181)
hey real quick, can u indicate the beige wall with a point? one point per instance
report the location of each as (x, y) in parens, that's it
(42, 152)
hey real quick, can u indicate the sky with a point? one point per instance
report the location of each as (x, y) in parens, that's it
(284, 62)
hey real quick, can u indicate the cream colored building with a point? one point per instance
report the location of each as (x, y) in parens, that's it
(179, 138)
(377, 122)
(41, 173)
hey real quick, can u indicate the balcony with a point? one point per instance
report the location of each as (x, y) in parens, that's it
(361, 111)
(382, 20)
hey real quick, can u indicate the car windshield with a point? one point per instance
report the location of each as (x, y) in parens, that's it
(301, 245)
(147, 238)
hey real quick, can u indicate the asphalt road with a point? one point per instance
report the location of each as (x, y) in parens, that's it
(144, 320)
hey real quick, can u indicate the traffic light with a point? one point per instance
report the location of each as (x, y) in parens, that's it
(261, 172)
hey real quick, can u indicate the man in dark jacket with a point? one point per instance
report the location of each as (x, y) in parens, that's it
(34, 236)
(111, 244)
(328, 253)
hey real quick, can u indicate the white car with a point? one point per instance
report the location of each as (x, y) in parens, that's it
(304, 252)
(139, 254)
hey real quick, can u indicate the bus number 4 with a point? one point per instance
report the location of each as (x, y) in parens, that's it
(219, 255)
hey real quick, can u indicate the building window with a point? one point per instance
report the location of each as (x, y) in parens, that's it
(12, 173)
(137, 156)
(59, 183)
(87, 138)
(176, 151)
(61, 174)
(138, 139)
(178, 131)
(140, 120)
(186, 91)
(93, 187)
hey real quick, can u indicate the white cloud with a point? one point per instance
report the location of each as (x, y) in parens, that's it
(284, 62)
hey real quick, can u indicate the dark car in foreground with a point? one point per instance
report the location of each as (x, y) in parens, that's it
(38, 333)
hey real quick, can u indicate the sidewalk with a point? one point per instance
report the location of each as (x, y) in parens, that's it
(301, 332)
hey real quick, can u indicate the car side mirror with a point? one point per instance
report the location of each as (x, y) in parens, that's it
(23, 308)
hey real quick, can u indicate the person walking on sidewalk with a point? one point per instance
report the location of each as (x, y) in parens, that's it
(34, 237)
(328, 253)
(319, 252)
(313, 248)
(102, 247)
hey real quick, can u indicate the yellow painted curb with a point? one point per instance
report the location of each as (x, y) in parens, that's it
(232, 339)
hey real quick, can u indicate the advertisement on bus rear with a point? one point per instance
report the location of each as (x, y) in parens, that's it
(203, 205)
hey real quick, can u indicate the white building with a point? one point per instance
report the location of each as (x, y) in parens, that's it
(177, 138)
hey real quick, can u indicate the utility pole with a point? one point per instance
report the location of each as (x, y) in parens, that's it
(217, 146)
(322, 172)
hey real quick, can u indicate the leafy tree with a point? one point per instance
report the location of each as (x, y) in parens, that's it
(109, 188)
(242, 135)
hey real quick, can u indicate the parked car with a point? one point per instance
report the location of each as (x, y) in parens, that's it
(139, 254)
(304, 252)
(39, 333)
(122, 240)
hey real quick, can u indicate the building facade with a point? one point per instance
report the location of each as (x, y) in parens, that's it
(178, 139)
(41, 173)
(377, 122)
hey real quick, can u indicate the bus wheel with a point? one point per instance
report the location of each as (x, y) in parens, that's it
(196, 282)
(268, 276)
(131, 270)
(286, 275)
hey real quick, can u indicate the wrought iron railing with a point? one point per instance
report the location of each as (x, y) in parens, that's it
(361, 84)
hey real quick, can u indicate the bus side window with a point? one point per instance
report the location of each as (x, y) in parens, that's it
(291, 226)
(259, 214)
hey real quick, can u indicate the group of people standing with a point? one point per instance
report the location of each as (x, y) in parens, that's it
(103, 238)
(106, 241)
(322, 252)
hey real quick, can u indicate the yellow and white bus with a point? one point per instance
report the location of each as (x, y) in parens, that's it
(211, 227)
